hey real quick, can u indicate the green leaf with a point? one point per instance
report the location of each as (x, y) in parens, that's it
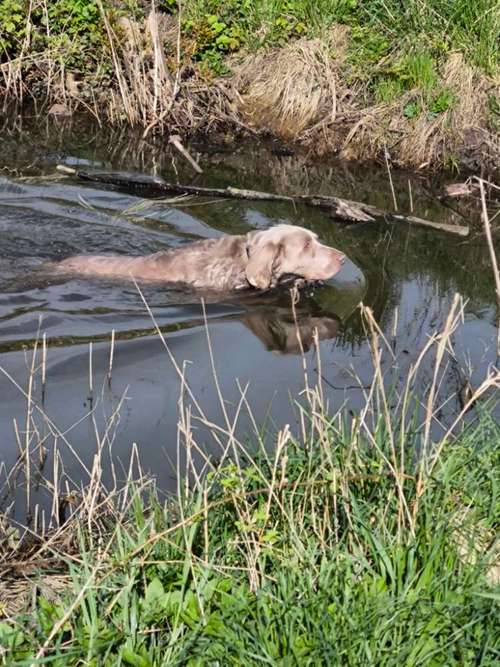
(10, 636)
(154, 592)
(132, 658)
(488, 595)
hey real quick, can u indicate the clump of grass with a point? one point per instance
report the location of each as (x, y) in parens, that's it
(308, 555)
(277, 95)
(426, 125)
(364, 540)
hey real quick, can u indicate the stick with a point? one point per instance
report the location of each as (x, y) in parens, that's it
(175, 140)
(343, 209)
(44, 364)
(111, 355)
(388, 166)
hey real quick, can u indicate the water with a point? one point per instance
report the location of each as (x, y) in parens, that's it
(406, 276)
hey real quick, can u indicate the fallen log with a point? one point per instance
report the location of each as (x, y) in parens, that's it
(342, 209)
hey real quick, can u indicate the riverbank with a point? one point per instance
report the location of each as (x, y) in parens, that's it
(325, 554)
(417, 86)
(367, 538)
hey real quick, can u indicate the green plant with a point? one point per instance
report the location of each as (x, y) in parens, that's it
(388, 88)
(412, 110)
(212, 38)
(442, 102)
(169, 6)
(416, 70)
(76, 30)
(13, 23)
(368, 47)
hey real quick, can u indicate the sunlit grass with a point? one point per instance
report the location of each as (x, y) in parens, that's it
(312, 556)
(434, 26)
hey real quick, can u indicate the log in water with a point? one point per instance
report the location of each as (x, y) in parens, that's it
(340, 209)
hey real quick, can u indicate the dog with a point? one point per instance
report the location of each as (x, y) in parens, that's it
(258, 259)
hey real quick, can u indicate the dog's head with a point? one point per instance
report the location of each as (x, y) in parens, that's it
(285, 249)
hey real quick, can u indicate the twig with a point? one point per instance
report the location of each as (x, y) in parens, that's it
(111, 356)
(388, 166)
(175, 140)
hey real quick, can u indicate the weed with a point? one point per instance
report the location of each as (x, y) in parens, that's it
(388, 88)
(368, 48)
(212, 38)
(444, 101)
(416, 70)
(12, 26)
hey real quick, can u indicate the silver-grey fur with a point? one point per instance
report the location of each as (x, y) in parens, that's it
(257, 259)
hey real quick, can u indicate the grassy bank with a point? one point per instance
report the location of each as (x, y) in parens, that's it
(366, 539)
(418, 80)
(311, 556)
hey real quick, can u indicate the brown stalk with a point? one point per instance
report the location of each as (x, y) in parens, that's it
(493, 257)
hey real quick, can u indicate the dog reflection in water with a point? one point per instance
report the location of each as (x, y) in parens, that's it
(279, 331)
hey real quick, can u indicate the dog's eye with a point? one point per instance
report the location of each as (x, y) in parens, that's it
(307, 244)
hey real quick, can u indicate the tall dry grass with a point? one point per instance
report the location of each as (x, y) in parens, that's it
(317, 90)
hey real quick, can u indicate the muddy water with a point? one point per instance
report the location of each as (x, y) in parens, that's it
(407, 276)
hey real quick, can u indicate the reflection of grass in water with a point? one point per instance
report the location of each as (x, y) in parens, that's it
(340, 300)
(362, 542)
(68, 341)
(392, 256)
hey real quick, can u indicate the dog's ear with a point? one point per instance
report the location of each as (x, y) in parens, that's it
(263, 260)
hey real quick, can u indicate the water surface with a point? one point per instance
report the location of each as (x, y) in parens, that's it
(406, 276)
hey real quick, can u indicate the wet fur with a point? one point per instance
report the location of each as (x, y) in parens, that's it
(258, 259)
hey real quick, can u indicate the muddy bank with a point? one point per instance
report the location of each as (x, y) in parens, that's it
(305, 93)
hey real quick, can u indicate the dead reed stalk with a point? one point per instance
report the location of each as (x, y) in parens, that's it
(491, 248)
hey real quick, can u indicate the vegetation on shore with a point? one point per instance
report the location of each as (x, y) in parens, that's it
(310, 556)
(363, 540)
(416, 81)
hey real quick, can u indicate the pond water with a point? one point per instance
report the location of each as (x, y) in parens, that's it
(407, 276)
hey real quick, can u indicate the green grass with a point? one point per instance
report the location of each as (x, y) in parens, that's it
(310, 555)
(432, 28)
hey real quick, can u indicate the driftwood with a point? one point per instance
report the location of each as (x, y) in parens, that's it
(343, 209)
(175, 140)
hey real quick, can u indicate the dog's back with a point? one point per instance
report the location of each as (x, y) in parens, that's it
(212, 263)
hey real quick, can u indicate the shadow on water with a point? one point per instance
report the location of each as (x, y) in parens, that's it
(407, 276)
